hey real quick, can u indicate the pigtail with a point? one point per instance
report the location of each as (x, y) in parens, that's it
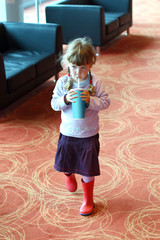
(69, 82)
(91, 88)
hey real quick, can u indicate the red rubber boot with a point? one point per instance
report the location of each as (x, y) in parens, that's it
(71, 183)
(88, 204)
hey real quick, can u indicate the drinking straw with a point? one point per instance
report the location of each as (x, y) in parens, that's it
(78, 82)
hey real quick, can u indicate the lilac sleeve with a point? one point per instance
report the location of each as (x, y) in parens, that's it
(57, 102)
(100, 100)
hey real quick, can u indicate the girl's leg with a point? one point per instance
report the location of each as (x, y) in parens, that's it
(67, 174)
(87, 179)
(71, 183)
(88, 204)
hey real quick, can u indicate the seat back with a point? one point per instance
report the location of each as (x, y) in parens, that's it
(32, 36)
(78, 21)
(81, 2)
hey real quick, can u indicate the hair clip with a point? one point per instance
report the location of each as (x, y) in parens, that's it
(68, 71)
(91, 88)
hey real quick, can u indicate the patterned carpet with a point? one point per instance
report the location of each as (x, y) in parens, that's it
(34, 204)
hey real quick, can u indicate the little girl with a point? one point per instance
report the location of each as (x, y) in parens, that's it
(78, 144)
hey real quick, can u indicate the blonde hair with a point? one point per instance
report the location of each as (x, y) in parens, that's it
(79, 52)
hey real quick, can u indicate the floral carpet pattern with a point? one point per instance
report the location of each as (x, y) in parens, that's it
(34, 203)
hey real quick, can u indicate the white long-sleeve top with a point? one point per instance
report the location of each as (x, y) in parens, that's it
(81, 128)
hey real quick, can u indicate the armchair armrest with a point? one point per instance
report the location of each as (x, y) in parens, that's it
(36, 37)
(3, 40)
(3, 83)
(78, 20)
(3, 86)
(114, 5)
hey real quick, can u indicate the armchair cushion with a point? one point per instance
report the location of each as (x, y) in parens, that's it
(18, 62)
(18, 71)
(112, 24)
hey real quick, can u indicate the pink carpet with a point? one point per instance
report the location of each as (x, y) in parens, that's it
(34, 203)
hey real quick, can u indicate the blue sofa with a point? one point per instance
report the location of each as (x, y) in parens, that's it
(101, 20)
(28, 57)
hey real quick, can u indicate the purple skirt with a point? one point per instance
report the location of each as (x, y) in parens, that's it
(78, 155)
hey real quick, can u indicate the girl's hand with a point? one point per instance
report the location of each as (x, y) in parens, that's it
(85, 96)
(69, 97)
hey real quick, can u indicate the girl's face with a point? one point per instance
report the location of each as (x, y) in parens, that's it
(80, 72)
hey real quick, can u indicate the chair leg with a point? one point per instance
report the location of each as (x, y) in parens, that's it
(98, 50)
(127, 32)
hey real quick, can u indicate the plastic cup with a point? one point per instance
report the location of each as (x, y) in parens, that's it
(78, 107)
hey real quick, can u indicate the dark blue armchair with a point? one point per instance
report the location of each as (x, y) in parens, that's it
(101, 20)
(28, 57)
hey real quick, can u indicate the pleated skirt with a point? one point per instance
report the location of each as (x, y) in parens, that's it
(78, 155)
